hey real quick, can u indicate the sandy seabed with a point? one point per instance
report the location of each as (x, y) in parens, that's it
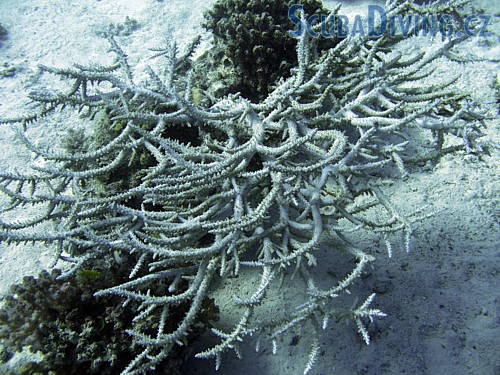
(442, 299)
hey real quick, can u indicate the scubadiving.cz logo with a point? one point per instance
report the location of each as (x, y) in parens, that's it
(377, 24)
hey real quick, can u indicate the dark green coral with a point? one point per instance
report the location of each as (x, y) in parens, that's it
(254, 35)
(76, 332)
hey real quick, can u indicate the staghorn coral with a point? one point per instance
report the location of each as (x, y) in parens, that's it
(239, 186)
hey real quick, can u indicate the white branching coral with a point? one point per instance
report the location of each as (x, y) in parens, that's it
(237, 185)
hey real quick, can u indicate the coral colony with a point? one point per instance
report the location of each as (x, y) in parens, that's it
(186, 190)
